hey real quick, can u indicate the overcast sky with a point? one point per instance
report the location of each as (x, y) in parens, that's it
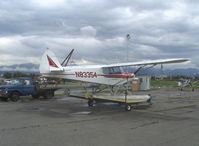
(97, 30)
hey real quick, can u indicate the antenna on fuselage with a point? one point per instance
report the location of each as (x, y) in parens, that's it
(66, 60)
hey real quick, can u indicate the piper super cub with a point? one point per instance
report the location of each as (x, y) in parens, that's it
(111, 74)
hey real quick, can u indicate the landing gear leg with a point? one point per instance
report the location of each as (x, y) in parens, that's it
(149, 100)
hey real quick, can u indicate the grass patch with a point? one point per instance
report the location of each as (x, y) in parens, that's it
(163, 83)
(186, 106)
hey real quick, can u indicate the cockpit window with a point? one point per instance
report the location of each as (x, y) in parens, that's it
(112, 70)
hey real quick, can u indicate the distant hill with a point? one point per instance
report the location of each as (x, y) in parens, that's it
(189, 72)
(26, 68)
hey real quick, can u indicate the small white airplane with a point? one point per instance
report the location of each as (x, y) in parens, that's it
(111, 74)
(186, 83)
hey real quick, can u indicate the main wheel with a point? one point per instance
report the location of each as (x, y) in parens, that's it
(149, 101)
(67, 92)
(49, 94)
(15, 96)
(90, 103)
(128, 107)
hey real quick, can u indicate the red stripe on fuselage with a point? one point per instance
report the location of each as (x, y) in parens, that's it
(117, 76)
(62, 74)
(103, 75)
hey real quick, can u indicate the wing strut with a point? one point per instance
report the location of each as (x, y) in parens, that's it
(66, 60)
(139, 69)
(144, 69)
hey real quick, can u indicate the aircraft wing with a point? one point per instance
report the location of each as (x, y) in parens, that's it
(149, 62)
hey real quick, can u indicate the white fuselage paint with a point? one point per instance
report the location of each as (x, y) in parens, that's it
(92, 73)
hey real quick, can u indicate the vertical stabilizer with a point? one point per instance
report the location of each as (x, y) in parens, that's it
(49, 63)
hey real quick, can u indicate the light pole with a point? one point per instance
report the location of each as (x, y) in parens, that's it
(128, 37)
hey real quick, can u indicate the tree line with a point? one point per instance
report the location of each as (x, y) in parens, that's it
(9, 75)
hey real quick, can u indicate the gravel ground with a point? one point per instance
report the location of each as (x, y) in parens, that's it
(172, 120)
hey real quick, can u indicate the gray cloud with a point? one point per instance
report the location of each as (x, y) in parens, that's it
(97, 29)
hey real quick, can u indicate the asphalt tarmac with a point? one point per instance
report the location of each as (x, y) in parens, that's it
(172, 120)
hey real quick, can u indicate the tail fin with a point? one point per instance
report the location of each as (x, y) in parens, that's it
(49, 63)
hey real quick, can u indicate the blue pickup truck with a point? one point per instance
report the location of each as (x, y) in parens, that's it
(24, 86)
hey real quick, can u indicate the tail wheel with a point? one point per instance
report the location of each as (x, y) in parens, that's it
(15, 96)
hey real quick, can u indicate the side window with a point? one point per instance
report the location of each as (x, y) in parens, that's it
(27, 82)
(117, 70)
(112, 70)
(106, 70)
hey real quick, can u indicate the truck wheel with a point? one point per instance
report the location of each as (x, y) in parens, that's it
(4, 99)
(35, 96)
(49, 94)
(15, 96)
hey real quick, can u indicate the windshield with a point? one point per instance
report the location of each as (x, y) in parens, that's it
(112, 70)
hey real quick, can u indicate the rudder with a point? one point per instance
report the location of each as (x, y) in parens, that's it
(49, 63)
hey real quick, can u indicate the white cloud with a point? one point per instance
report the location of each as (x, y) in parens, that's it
(97, 29)
(13, 59)
(48, 3)
(83, 62)
(88, 31)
